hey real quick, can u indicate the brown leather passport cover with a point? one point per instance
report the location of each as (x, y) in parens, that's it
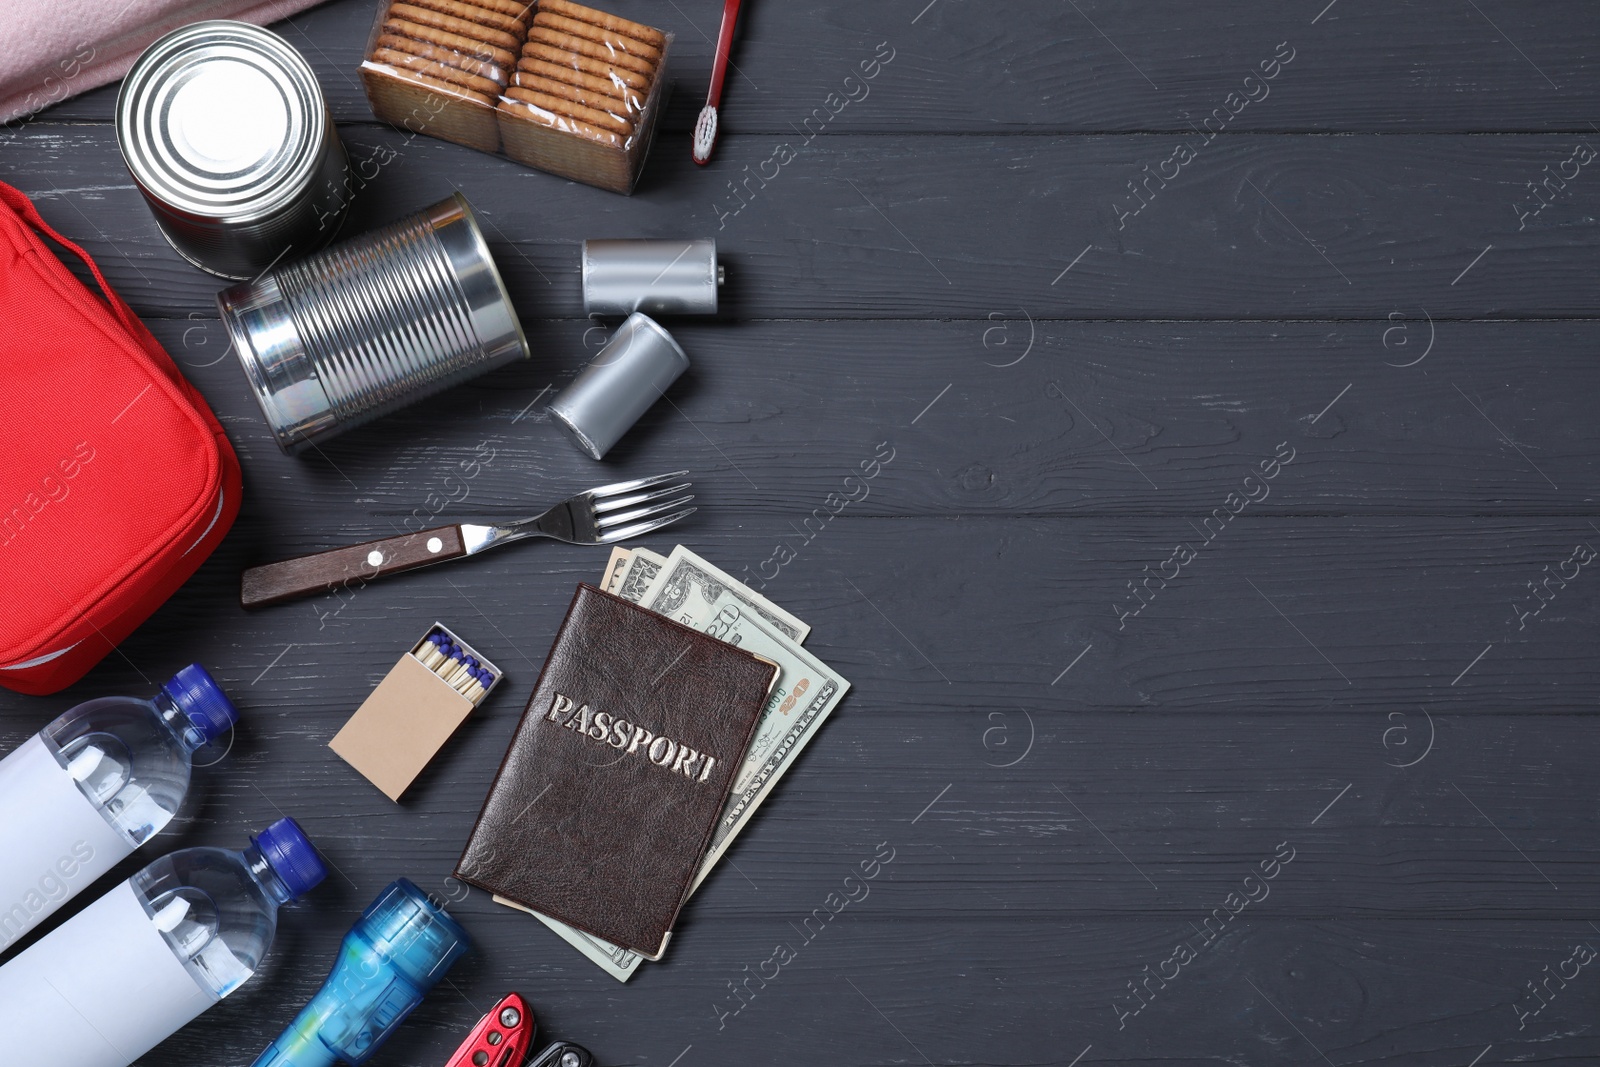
(624, 758)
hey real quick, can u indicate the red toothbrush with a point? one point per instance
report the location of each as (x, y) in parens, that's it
(705, 127)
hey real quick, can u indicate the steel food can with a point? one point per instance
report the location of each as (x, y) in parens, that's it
(372, 324)
(658, 277)
(626, 376)
(225, 131)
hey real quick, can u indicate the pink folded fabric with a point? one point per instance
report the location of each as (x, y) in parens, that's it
(55, 49)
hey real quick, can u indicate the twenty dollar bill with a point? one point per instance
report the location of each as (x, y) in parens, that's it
(637, 576)
(688, 587)
(615, 566)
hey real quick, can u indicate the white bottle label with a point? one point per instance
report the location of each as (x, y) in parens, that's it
(99, 991)
(53, 841)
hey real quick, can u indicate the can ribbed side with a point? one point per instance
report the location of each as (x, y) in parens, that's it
(383, 318)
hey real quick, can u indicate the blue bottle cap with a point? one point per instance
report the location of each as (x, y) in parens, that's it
(290, 853)
(198, 696)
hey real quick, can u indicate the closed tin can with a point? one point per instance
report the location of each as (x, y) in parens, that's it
(372, 324)
(225, 131)
(619, 385)
(658, 277)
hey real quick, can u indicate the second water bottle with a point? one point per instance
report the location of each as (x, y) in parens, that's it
(115, 980)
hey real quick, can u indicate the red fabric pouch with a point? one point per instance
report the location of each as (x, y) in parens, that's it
(116, 480)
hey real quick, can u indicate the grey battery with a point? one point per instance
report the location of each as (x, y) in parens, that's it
(628, 375)
(372, 324)
(657, 277)
(225, 131)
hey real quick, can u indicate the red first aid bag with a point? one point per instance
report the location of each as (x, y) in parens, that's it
(116, 481)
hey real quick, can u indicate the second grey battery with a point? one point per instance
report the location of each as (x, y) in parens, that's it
(657, 277)
(625, 378)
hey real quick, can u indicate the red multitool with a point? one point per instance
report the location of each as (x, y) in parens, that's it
(501, 1039)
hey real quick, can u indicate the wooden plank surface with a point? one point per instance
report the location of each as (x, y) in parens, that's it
(1406, 66)
(901, 226)
(1076, 739)
(1041, 418)
(1019, 994)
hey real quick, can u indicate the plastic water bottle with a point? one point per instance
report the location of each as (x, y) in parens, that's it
(80, 795)
(116, 979)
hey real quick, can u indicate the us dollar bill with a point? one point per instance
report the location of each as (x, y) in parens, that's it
(618, 962)
(689, 590)
(805, 694)
(612, 578)
(640, 573)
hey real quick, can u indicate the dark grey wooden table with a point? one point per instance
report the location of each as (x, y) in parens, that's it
(1224, 671)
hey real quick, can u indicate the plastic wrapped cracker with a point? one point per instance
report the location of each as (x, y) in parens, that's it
(553, 85)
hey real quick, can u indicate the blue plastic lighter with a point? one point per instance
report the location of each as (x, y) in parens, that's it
(397, 951)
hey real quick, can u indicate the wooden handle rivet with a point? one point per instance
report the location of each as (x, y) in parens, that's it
(434, 544)
(374, 558)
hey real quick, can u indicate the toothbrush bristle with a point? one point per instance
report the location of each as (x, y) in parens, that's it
(705, 133)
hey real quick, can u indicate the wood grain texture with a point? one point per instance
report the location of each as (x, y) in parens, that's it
(1411, 65)
(1263, 618)
(1042, 418)
(930, 226)
(1353, 666)
(1034, 992)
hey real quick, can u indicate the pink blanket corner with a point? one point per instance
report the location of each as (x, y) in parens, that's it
(56, 49)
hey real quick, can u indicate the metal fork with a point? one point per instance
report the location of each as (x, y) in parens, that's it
(600, 516)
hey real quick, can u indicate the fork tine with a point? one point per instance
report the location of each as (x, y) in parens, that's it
(605, 522)
(611, 537)
(636, 484)
(612, 503)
